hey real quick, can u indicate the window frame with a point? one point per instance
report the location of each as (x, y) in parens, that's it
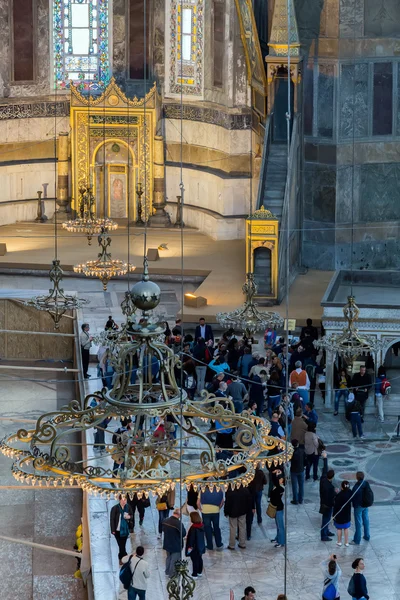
(11, 41)
(85, 85)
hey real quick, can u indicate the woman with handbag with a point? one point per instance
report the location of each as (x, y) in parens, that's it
(332, 574)
(196, 544)
(164, 504)
(342, 513)
(312, 451)
(357, 587)
(275, 508)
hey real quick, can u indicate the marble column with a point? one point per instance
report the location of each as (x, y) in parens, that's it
(160, 217)
(329, 384)
(63, 204)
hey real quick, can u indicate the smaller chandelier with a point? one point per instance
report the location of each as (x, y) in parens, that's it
(57, 302)
(105, 267)
(349, 343)
(87, 222)
(247, 317)
(181, 585)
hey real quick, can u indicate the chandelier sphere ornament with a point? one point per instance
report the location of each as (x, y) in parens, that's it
(350, 343)
(142, 458)
(247, 317)
(56, 303)
(86, 221)
(145, 293)
(105, 267)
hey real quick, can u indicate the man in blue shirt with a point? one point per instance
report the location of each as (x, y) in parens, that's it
(361, 516)
(211, 503)
(310, 414)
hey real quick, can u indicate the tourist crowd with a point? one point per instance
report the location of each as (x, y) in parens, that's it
(279, 384)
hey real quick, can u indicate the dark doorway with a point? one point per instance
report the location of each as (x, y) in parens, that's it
(262, 271)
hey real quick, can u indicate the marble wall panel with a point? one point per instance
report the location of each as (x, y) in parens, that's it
(344, 195)
(354, 101)
(381, 18)
(380, 192)
(351, 20)
(233, 142)
(326, 83)
(319, 193)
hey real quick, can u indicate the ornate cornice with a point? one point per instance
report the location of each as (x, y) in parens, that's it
(34, 110)
(211, 116)
(114, 97)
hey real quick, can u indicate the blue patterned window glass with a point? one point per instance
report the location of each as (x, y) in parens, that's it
(80, 41)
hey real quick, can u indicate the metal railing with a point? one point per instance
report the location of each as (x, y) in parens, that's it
(289, 198)
(264, 159)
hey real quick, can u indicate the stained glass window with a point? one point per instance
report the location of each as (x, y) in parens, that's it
(80, 39)
(185, 19)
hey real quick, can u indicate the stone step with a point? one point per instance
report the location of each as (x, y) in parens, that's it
(271, 195)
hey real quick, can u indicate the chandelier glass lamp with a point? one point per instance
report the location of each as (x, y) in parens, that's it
(105, 267)
(56, 303)
(144, 459)
(248, 318)
(86, 221)
(349, 343)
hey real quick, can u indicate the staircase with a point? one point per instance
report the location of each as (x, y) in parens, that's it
(275, 179)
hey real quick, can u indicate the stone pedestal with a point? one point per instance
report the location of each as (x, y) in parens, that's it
(63, 212)
(160, 218)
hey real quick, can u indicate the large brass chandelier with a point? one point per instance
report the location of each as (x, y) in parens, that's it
(144, 460)
(56, 303)
(349, 343)
(86, 221)
(104, 267)
(247, 317)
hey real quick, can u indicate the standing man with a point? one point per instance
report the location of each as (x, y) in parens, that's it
(86, 342)
(174, 534)
(249, 593)
(120, 516)
(256, 487)
(299, 376)
(297, 465)
(299, 428)
(237, 390)
(204, 331)
(361, 384)
(211, 503)
(363, 498)
(327, 495)
(237, 504)
(140, 574)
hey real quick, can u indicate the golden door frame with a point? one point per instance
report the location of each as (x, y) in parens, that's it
(262, 231)
(114, 117)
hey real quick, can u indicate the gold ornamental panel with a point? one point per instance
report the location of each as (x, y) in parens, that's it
(262, 231)
(129, 125)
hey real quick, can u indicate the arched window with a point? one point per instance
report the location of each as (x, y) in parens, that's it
(80, 43)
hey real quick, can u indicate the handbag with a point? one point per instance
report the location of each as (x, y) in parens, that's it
(184, 509)
(271, 511)
(321, 446)
(161, 506)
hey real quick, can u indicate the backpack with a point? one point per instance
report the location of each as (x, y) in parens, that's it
(351, 588)
(125, 573)
(329, 592)
(367, 499)
(310, 370)
(386, 387)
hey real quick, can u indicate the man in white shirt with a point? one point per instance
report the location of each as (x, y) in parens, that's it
(140, 574)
